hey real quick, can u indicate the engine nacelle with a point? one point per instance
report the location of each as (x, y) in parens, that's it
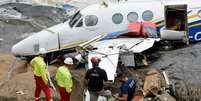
(172, 35)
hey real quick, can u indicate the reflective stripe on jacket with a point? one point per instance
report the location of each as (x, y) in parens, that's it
(64, 78)
(39, 68)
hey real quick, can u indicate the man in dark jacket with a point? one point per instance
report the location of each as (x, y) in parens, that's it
(95, 78)
(127, 88)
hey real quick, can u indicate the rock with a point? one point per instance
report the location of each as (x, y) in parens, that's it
(152, 82)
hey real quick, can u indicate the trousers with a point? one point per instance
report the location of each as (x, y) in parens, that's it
(64, 95)
(41, 86)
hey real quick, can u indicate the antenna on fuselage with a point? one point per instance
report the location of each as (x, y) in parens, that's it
(104, 3)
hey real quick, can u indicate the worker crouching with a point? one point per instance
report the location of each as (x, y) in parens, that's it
(64, 80)
(127, 89)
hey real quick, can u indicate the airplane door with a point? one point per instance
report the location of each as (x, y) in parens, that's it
(176, 19)
(51, 44)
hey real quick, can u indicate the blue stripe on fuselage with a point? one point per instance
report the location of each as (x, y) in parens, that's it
(195, 33)
(195, 22)
(116, 34)
(159, 22)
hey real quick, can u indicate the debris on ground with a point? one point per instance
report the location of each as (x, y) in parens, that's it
(20, 92)
(152, 82)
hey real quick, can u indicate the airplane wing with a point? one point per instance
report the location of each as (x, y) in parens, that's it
(108, 51)
(136, 45)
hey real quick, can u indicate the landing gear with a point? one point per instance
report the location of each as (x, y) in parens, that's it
(10, 70)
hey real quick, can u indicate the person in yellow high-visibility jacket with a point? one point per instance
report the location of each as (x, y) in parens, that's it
(39, 68)
(64, 80)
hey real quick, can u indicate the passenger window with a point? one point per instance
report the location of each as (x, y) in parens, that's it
(199, 13)
(132, 17)
(117, 18)
(91, 20)
(80, 23)
(147, 15)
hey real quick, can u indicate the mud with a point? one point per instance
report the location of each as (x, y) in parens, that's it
(183, 68)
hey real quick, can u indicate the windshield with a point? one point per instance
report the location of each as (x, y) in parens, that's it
(74, 19)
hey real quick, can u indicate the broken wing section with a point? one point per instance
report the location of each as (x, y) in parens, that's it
(109, 51)
(136, 45)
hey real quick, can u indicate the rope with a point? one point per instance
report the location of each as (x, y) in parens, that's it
(50, 81)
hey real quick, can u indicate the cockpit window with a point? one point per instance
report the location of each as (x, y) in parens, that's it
(91, 20)
(80, 23)
(74, 19)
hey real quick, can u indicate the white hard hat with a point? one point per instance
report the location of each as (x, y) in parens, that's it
(42, 51)
(68, 61)
(79, 57)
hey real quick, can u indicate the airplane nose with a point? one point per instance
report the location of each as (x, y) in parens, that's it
(47, 39)
(23, 47)
(16, 49)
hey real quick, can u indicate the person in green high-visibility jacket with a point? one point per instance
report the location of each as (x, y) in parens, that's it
(64, 80)
(39, 68)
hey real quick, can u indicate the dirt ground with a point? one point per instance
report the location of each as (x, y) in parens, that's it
(182, 66)
(21, 86)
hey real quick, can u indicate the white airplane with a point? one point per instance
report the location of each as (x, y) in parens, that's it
(99, 24)
(98, 19)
